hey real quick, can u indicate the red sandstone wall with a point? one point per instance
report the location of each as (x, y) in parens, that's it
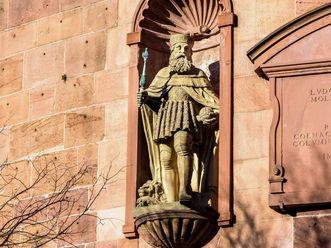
(84, 119)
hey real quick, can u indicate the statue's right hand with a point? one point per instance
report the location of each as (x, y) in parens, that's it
(141, 97)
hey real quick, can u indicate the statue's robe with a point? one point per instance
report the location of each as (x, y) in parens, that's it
(205, 155)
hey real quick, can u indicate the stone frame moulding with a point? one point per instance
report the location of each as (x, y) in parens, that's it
(295, 54)
(214, 24)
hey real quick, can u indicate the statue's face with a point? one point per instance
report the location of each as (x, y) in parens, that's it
(181, 50)
(180, 58)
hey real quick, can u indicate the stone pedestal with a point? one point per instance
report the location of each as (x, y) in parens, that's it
(174, 225)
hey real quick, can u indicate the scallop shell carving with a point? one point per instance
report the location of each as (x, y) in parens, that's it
(197, 18)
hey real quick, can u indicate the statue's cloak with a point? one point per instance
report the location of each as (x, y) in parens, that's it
(205, 153)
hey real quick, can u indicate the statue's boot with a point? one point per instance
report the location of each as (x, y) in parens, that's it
(183, 163)
(169, 179)
(169, 184)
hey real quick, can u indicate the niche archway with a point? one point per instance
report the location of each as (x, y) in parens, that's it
(211, 23)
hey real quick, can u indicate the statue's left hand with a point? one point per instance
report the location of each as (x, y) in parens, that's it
(207, 116)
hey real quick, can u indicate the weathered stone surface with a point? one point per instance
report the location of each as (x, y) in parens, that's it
(41, 101)
(15, 177)
(100, 15)
(303, 6)
(251, 94)
(17, 39)
(117, 53)
(11, 70)
(14, 108)
(273, 233)
(86, 54)
(58, 168)
(74, 93)
(84, 126)
(112, 227)
(251, 134)
(36, 136)
(252, 205)
(88, 162)
(4, 144)
(58, 27)
(70, 4)
(127, 243)
(272, 15)
(251, 174)
(113, 196)
(3, 14)
(312, 232)
(82, 231)
(44, 65)
(110, 85)
(22, 11)
(112, 158)
(116, 119)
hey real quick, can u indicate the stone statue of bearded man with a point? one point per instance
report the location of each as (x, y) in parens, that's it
(180, 113)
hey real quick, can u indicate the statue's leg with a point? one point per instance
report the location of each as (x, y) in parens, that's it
(169, 174)
(183, 147)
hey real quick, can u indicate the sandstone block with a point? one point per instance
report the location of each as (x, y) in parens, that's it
(118, 53)
(112, 196)
(282, 12)
(107, 244)
(88, 162)
(251, 174)
(14, 180)
(303, 6)
(41, 101)
(312, 232)
(77, 202)
(100, 15)
(273, 233)
(3, 14)
(36, 136)
(112, 224)
(60, 26)
(11, 70)
(86, 54)
(4, 144)
(112, 158)
(14, 108)
(74, 93)
(70, 4)
(54, 170)
(22, 11)
(84, 126)
(17, 39)
(117, 120)
(251, 134)
(128, 243)
(242, 65)
(248, 201)
(251, 94)
(82, 231)
(44, 65)
(111, 85)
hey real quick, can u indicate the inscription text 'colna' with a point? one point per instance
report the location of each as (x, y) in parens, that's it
(311, 139)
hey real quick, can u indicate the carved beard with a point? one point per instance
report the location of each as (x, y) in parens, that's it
(180, 64)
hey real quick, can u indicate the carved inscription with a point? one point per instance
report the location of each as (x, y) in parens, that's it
(320, 95)
(315, 138)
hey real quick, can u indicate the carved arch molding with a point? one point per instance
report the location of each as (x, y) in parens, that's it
(211, 24)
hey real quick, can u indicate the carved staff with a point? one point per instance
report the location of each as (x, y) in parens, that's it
(143, 74)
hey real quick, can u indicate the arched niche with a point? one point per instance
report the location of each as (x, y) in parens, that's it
(296, 59)
(211, 23)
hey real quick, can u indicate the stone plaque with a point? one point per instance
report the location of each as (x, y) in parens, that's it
(306, 135)
(296, 59)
